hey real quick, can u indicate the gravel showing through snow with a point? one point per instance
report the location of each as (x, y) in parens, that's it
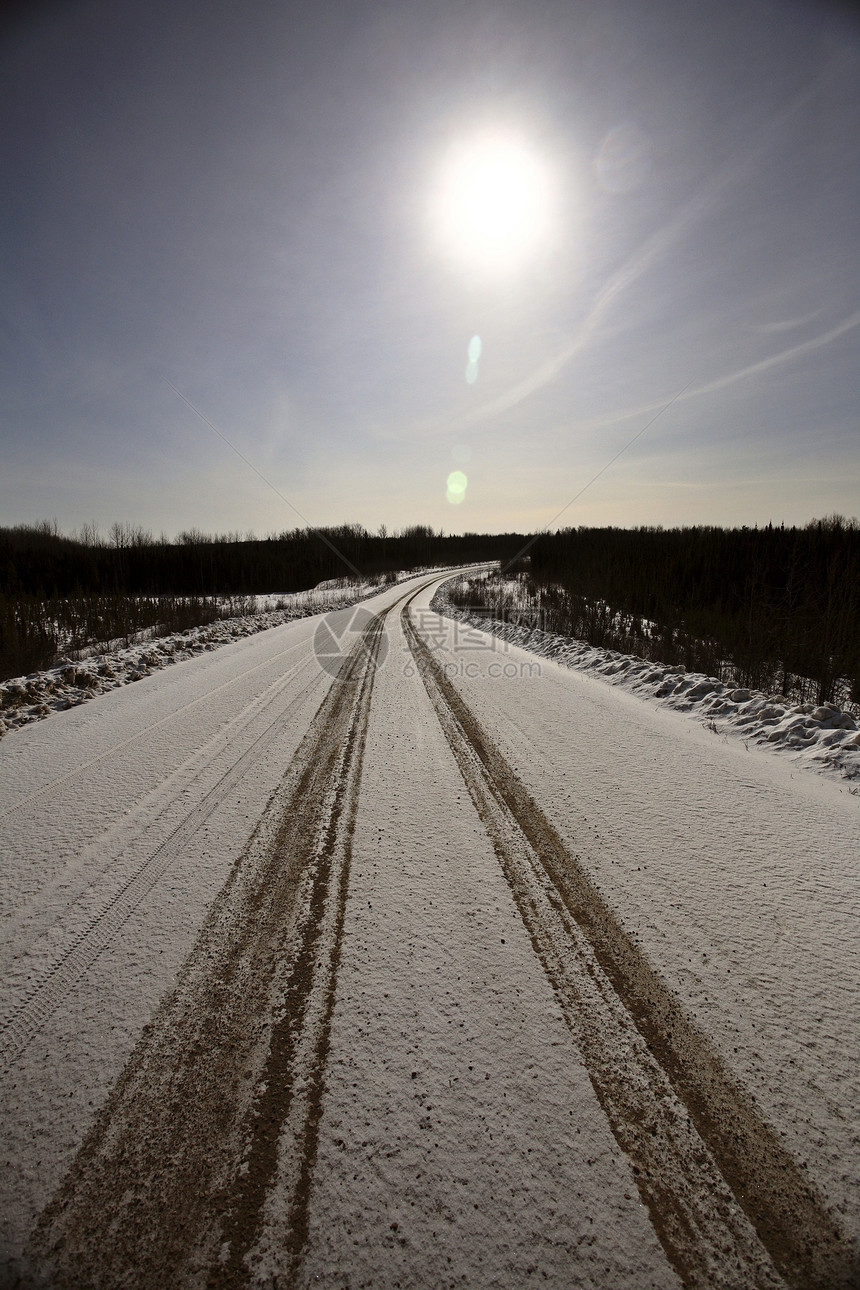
(87, 798)
(737, 872)
(460, 1137)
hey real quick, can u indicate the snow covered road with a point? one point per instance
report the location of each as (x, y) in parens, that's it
(464, 969)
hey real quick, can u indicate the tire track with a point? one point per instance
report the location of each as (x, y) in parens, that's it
(34, 909)
(283, 1146)
(730, 1205)
(220, 1103)
(56, 981)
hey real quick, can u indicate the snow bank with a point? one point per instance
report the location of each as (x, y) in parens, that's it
(29, 698)
(821, 737)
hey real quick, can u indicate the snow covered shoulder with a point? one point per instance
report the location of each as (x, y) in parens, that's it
(820, 736)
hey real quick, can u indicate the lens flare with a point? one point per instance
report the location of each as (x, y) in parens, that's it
(474, 355)
(455, 488)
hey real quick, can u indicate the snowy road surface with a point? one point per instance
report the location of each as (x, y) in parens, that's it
(459, 969)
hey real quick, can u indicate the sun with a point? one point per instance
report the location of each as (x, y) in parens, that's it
(492, 202)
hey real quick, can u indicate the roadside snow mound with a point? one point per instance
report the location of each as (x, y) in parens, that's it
(821, 737)
(29, 698)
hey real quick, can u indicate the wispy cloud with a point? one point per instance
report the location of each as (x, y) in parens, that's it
(731, 378)
(787, 324)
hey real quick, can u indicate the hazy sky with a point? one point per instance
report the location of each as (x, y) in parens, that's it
(249, 206)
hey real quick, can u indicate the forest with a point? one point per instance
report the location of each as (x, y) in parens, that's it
(37, 560)
(773, 608)
(54, 587)
(777, 609)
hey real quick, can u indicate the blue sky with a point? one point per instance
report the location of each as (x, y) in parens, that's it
(236, 206)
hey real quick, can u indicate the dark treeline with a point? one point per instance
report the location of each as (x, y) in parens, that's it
(767, 606)
(773, 608)
(60, 594)
(38, 561)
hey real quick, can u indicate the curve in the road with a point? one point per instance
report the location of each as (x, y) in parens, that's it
(199, 1168)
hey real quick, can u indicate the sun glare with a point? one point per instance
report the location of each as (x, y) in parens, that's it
(493, 202)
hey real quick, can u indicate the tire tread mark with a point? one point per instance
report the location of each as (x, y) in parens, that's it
(155, 1195)
(56, 981)
(203, 759)
(784, 1208)
(120, 747)
(284, 1127)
